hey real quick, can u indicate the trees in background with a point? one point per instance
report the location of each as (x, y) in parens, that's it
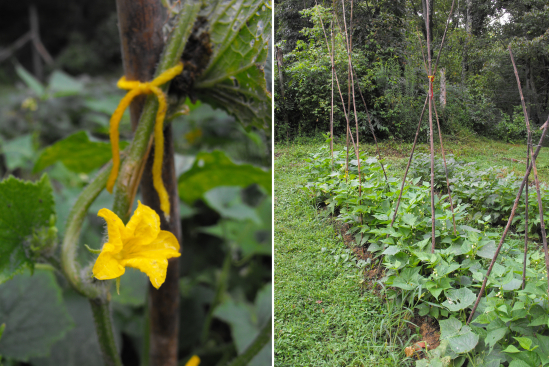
(387, 57)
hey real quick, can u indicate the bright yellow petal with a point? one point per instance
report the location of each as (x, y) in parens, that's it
(115, 228)
(154, 268)
(193, 361)
(144, 225)
(106, 265)
(152, 258)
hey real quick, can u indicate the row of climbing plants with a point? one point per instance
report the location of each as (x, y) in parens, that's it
(510, 324)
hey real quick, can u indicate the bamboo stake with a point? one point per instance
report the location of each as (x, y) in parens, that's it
(331, 96)
(430, 123)
(535, 174)
(507, 228)
(418, 129)
(526, 215)
(372, 130)
(409, 162)
(445, 164)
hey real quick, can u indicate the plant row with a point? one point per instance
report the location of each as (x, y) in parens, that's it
(510, 325)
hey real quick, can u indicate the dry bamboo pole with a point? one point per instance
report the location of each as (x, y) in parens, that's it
(421, 115)
(349, 92)
(350, 72)
(507, 228)
(445, 165)
(340, 93)
(430, 78)
(372, 130)
(409, 162)
(526, 215)
(331, 96)
(535, 174)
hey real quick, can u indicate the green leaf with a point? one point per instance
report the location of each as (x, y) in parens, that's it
(216, 169)
(80, 346)
(488, 250)
(495, 331)
(543, 350)
(246, 322)
(461, 338)
(32, 308)
(18, 152)
(30, 80)
(64, 84)
(234, 79)
(25, 215)
(525, 343)
(511, 349)
(77, 152)
(408, 219)
(227, 201)
(459, 299)
(133, 288)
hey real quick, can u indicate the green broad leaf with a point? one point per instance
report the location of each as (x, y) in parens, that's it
(408, 219)
(488, 250)
(24, 221)
(543, 351)
(30, 80)
(511, 349)
(461, 338)
(215, 169)
(77, 152)
(64, 85)
(133, 288)
(449, 328)
(495, 332)
(459, 299)
(525, 343)
(227, 201)
(80, 346)
(234, 78)
(18, 152)
(246, 322)
(519, 363)
(32, 308)
(391, 250)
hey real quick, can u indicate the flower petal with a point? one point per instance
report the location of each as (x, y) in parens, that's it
(115, 228)
(144, 224)
(107, 266)
(152, 258)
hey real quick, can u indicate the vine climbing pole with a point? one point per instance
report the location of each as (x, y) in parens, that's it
(140, 27)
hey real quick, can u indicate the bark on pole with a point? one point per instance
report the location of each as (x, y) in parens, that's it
(140, 27)
(428, 28)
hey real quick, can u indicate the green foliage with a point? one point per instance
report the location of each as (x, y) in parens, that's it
(25, 224)
(445, 283)
(32, 308)
(234, 78)
(490, 192)
(77, 152)
(216, 169)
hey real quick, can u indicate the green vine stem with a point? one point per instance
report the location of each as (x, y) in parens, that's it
(104, 330)
(253, 349)
(69, 264)
(169, 58)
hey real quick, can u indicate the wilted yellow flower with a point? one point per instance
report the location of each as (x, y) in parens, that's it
(140, 244)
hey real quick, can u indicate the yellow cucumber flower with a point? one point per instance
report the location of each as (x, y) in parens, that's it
(140, 244)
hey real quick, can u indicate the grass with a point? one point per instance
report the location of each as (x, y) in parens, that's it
(322, 318)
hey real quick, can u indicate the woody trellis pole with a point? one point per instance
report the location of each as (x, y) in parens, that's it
(530, 166)
(140, 26)
(429, 99)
